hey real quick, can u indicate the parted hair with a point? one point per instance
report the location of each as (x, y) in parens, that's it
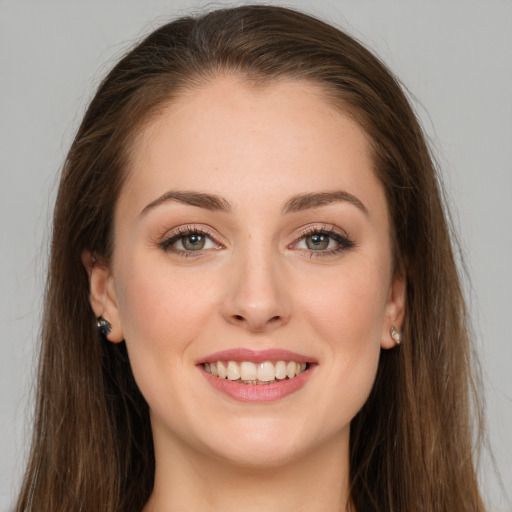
(412, 445)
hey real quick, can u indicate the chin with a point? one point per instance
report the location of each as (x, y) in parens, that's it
(264, 454)
(265, 444)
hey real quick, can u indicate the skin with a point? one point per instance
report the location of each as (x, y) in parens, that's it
(256, 285)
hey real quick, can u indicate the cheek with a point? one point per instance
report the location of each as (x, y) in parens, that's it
(163, 312)
(348, 316)
(162, 309)
(348, 306)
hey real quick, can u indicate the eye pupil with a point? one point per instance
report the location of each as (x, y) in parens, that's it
(317, 242)
(193, 242)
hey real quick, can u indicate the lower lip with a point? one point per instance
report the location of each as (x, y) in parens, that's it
(255, 392)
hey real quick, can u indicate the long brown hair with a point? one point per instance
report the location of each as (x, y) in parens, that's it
(412, 442)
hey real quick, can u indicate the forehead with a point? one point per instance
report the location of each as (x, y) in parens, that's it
(239, 139)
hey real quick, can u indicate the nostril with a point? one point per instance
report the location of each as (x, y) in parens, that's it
(256, 322)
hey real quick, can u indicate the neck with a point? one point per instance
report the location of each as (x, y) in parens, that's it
(188, 480)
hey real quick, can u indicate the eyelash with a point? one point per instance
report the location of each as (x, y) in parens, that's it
(182, 232)
(343, 241)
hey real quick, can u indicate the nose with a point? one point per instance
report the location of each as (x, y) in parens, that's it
(256, 299)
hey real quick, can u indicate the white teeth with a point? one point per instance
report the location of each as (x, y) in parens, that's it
(280, 370)
(266, 372)
(248, 371)
(221, 370)
(233, 372)
(251, 373)
(291, 368)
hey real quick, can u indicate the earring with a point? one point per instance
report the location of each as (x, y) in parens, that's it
(104, 326)
(396, 335)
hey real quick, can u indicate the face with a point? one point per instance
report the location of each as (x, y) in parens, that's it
(251, 235)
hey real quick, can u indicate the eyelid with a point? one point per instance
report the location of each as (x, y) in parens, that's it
(321, 228)
(341, 237)
(172, 235)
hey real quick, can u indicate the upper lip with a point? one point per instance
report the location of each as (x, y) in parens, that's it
(256, 356)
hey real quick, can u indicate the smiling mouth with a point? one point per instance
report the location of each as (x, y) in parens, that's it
(249, 373)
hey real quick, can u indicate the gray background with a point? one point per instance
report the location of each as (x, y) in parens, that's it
(455, 57)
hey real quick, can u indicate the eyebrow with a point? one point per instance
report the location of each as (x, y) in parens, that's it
(200, 199)
(317, 199)
(294, 204)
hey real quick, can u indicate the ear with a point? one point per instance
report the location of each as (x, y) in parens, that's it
(394, 311)
(102, 295)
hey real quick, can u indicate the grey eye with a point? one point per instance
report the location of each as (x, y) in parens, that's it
(317, 242)
(193, 242)
(188, 242)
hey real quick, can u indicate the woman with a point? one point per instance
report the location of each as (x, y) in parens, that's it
(252, 299)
